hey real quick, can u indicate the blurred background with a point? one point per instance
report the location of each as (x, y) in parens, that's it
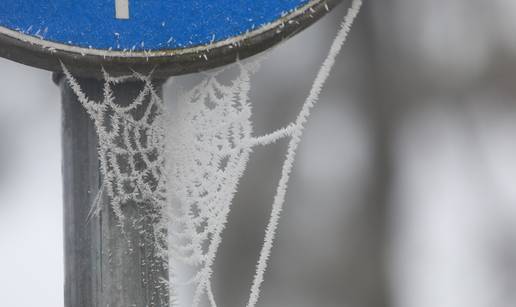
(403, 193)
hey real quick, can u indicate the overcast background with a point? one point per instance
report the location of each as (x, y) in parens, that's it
(403, 193)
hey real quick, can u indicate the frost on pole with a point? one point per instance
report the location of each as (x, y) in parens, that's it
(166, 178)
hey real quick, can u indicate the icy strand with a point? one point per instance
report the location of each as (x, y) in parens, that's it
(186, 165)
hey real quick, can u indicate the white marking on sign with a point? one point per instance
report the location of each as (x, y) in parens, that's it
(122, 9)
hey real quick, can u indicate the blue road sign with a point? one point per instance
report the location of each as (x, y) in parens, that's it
(186, 35)
(139, 25)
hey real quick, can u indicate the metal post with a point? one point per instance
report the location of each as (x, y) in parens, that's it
(104, 266)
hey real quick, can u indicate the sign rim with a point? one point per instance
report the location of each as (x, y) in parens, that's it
(85, 62)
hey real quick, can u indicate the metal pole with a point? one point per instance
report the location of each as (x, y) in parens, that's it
(104, 266)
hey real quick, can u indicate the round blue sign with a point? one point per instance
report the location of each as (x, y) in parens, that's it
(140, 25)
(142, 30)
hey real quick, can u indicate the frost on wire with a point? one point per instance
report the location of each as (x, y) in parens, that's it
(182, 169)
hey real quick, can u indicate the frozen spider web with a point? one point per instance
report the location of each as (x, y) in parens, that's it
(182, 168)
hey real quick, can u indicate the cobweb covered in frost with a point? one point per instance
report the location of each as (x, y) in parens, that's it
(131, 142)
(208, 152)
(184, 166)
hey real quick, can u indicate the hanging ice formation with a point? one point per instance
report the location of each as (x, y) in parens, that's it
(186, 166)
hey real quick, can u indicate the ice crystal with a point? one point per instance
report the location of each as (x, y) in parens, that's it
(186, 166)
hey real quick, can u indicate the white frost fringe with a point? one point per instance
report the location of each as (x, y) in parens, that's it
(296, 131)
(212, 125)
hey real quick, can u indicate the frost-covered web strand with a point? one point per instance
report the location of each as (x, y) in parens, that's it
(207, 156)
(131, 141)
(182, 169)
(310, 102)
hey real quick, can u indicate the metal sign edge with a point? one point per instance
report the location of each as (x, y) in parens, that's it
(85, 62)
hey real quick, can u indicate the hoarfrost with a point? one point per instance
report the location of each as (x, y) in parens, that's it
(184, 168)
